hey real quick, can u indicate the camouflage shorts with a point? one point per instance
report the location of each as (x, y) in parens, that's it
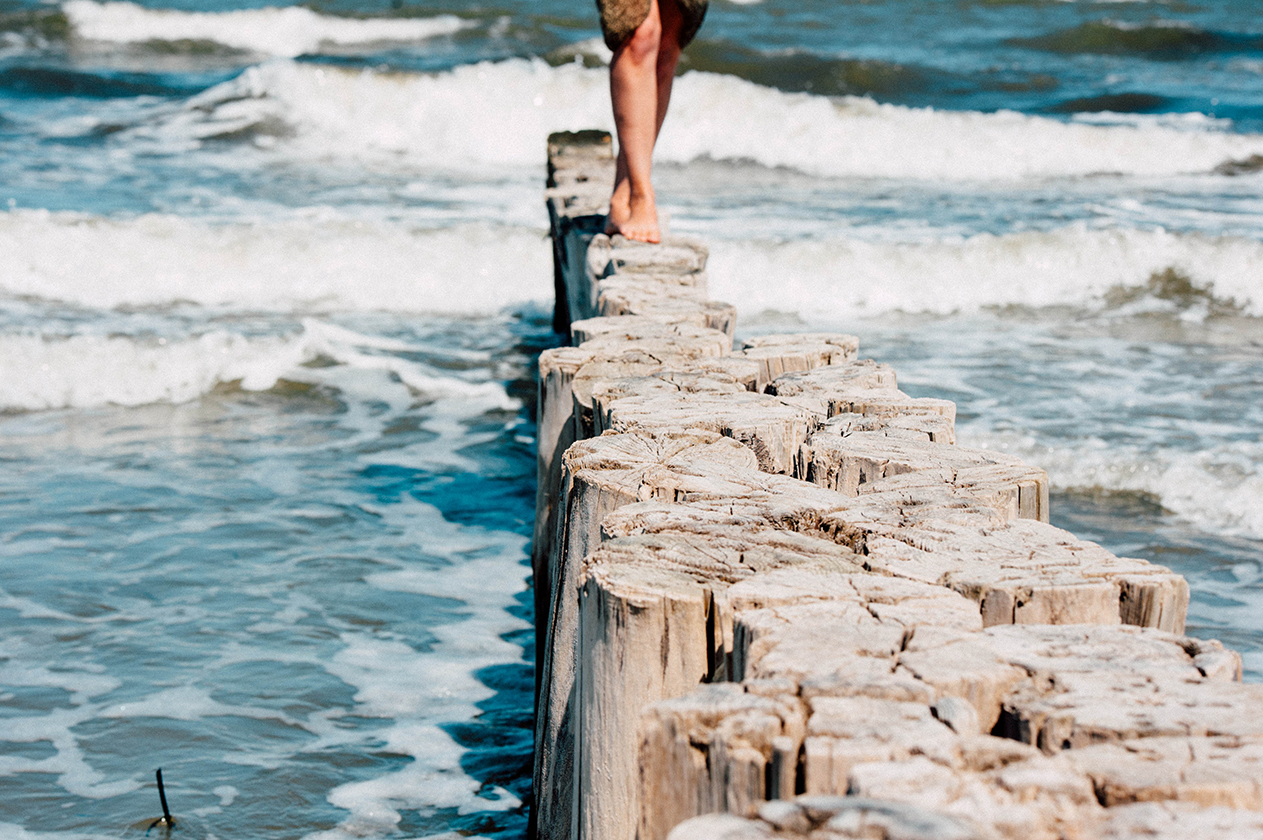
(619, 18)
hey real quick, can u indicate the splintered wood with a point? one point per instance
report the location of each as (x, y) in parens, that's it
(775, 599)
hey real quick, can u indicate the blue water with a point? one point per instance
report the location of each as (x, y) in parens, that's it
(272, 278)
(272, 596)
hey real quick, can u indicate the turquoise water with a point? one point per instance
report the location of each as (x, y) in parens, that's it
(272, 279)
(307, 604)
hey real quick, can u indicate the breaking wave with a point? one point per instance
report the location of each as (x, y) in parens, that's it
(85, 370)
(1073, 266)
(291, 266)
(496, 114)
(287, 31)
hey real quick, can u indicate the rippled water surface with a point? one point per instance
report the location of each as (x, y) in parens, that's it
(272, 277)
(299, 602)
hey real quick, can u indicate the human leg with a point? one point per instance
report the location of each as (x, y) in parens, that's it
(669, 47)
(640, 88)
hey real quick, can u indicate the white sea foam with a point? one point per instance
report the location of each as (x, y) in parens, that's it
(589, 47)
(13, 43)
(1099, 411)
(41, 372)
(417, 690)
(81, 371)
(413, 691)
(79, 684)
(435, 780)
(858, 137)
(68, 762)
(478, 115)
(289, 31)
(12, 831)
(1219, 489)
(189, 703)
(325, 265)
(842, 278)
(501, 113)
(28, 608)
(158, 260)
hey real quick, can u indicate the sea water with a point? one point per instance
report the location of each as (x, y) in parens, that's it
(272, 278)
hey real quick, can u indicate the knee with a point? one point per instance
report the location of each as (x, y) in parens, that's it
(644, 43)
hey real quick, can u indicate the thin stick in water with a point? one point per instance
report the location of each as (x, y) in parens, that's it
(162, 795)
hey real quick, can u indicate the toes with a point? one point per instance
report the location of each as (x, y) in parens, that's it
(642, 235)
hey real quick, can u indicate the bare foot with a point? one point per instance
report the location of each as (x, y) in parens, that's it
(642, 220)
(620, 208)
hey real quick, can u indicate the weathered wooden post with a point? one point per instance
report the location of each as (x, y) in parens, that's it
(770, 587)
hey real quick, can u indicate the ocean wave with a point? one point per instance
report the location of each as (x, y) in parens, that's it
(25, 29)
(82, 371)
(54, 81)
(494, 114)
(280, 31)
(1160, 40)
(1072, 266)
(300, 265)
(800, 70)
(1218, 489)
(313, 266)
(479, 115)
(1115, 103)
(41, 372)
(725, 118)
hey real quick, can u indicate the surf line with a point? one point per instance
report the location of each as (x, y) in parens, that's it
(770, 587)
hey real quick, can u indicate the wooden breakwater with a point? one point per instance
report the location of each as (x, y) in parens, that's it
(771, 588)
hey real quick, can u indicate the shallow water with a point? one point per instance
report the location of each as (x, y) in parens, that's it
(271, 280)
(299, 602)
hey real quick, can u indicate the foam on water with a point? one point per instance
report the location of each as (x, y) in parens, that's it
(723, 117)
(1149, 405)
(13, 831)
(286, 536)
(188, 703)
(479, 115)
(82, 371)
(1219, 489)
(403, 694)
(492, 114)
(417, 690)
(74, 773)
(40, 372)
(840, 269)
(300, 265)
(80, 685)
(847, 277)
(289, 31)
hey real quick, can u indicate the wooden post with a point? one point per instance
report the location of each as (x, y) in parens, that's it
(770, 584)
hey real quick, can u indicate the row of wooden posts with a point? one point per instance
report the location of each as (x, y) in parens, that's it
(772, 589)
